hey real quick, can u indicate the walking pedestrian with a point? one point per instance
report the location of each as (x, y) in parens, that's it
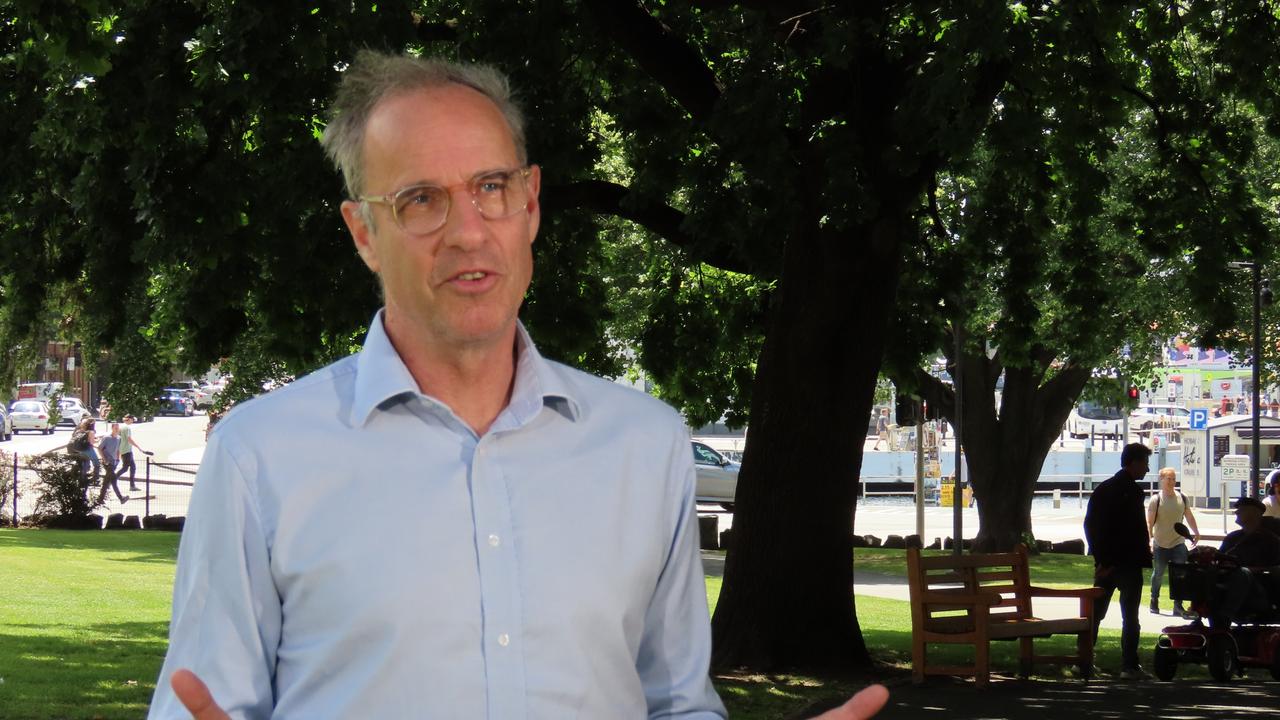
(127, 444)
(81, 444)
(882, 429)
(1117, 534)
(109, 446)
(1165, 508)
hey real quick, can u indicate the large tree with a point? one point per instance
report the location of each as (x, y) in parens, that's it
(781, 151)
(1083, 232)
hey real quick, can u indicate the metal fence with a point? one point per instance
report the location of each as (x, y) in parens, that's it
(162, 489)
(1077, 485)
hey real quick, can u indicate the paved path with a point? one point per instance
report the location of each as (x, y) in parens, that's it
(1105, 697)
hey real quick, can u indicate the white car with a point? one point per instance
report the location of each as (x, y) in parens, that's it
(1090, 418)
(1160, 416)
(6, 424)
(717, 476)
(31, 415)
(72, 411)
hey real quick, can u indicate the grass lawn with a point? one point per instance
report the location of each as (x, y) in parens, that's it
(84, 620)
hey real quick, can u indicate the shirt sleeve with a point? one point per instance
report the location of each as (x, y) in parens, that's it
(226, 611)
(675, 653)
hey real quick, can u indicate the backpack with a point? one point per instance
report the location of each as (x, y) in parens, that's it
(79, 441)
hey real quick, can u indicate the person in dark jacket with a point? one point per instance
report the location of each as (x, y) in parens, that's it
(1115, 525)
(1254, 545)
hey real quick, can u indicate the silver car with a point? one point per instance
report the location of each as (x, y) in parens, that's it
(717, 476)
(31, 415)
(73, 411)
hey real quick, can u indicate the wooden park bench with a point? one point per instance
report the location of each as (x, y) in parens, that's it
(976, 598)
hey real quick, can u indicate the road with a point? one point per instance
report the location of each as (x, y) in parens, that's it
(172, 439)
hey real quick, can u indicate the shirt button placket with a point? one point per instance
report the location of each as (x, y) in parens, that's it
(491, 502)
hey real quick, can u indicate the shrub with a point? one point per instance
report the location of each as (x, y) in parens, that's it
(61, 490)
(54, 401)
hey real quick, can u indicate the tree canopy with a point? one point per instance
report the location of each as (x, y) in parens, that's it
(754, 197)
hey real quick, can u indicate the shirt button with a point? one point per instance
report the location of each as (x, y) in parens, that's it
(504, 640)
(495, 541)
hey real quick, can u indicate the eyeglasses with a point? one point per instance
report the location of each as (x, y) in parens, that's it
(423, 209)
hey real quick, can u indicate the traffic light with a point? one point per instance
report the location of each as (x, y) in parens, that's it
(1133, 392)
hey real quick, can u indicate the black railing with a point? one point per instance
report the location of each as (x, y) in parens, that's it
(163, 488)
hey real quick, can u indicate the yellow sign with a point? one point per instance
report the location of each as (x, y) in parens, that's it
(946, 494)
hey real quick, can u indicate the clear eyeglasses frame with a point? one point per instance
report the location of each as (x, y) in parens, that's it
(422, 209)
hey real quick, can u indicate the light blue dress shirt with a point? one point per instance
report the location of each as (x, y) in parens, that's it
(354, 550)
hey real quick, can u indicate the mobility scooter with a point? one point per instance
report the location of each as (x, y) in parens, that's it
(1253, 641)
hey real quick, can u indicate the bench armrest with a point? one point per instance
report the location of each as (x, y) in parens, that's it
(1087, 596)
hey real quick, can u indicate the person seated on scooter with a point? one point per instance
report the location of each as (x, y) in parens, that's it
(1253, 545)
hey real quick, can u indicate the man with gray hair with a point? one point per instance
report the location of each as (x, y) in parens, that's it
(486, 533)
(445, 555)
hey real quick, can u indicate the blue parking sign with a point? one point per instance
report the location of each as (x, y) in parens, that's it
(1199, 419)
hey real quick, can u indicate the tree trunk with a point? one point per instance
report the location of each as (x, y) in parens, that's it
(1005, 451)
(787, 597)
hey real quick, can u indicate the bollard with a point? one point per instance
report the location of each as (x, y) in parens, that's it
(1057, 499)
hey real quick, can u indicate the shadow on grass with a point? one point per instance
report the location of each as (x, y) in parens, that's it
(110, 673)
(146, 546)
(1016, 699)
(1052, 692)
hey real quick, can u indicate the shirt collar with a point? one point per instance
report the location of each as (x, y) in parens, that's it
(381, 377)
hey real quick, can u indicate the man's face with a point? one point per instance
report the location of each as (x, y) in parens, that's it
(1248, 517)
(1167, 482)
(115, 428)
(461, 285)
(1139, 468)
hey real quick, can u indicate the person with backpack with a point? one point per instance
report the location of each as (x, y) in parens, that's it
(82, 442)
(1164, 509)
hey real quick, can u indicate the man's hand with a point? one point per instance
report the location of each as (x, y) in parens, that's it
(195, 696)
(193, 693)
(861, 706)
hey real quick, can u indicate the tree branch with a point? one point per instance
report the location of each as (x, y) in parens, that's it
(446, 31)
(673, 64)
(608, 198)
(939, 227)
(1162, 130)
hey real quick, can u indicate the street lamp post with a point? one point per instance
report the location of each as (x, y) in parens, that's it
(1261, 296)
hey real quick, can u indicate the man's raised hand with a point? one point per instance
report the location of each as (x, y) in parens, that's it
(194, 694)
(860, 707)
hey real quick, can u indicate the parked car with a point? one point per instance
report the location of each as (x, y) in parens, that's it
(6, 424)
(205, 395)
(31, 415)
(1161, 415)
(175, 403)
(717, 476)
(199, 397)
(73, 411)
(1089, 418)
